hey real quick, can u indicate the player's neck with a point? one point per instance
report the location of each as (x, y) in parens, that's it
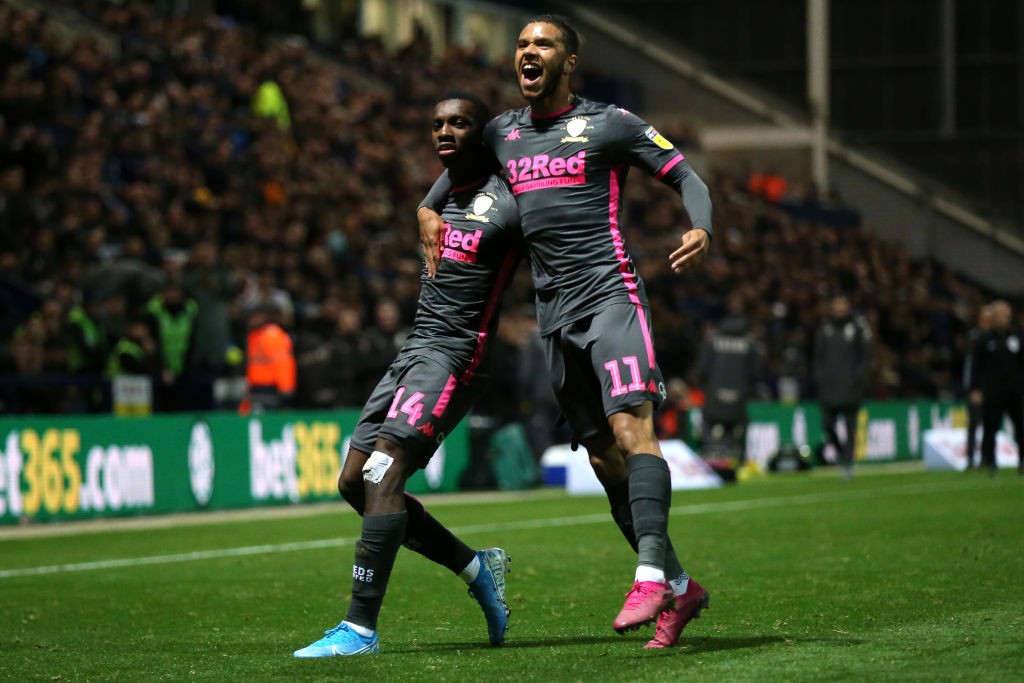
(554, 104)
(467, 175)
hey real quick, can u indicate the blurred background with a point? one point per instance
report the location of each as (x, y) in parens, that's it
(178, 173)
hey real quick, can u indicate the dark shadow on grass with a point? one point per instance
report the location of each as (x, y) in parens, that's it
(690, 646)
(724, 644)
(477, 645)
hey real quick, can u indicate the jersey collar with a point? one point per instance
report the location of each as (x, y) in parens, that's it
(569, 106)
(472, 185)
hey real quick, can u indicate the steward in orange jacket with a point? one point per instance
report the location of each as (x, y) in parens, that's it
(270, 363)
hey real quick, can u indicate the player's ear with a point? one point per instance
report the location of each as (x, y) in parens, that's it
(570, 64)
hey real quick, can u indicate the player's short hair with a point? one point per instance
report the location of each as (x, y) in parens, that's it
(481, 111)
(570, 37)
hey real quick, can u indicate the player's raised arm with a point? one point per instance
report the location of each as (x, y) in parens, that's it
(697, 202)
(428, 214)
(640, 144)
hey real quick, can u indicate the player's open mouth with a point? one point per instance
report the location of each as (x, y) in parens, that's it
(531, 72)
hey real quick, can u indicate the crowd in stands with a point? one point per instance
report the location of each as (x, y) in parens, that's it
(161, 183)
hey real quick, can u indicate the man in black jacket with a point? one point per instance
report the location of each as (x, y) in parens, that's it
(728, 370)
(842, 361)
(974, 398)
(997, 382)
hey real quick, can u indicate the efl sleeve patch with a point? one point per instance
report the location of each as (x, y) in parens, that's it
(656, 137)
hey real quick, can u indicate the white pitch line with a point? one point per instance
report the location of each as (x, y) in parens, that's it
(520, 525)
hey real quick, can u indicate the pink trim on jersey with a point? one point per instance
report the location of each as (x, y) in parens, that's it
(669, 166)
(500, 282)
(445, 398)
(628, 278)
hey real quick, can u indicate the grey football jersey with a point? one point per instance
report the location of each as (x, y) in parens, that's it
(458, 309)
(567, 173)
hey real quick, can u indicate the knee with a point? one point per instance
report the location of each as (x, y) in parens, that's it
(350, 486)
(633, 436)
(633, 430)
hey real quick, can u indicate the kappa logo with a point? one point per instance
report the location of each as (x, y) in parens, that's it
(574, 128)
(513, 135)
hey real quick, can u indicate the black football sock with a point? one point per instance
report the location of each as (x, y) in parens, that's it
(618, 497)
(650, 494)
(375, 557)
(431, 539)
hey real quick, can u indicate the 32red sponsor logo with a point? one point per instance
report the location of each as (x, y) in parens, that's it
(541, 166)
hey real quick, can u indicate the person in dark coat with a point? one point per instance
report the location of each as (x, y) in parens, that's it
(974, 398)
(842, 362)
(728, 371)
(997, 382)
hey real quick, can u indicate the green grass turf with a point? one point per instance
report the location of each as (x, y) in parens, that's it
(911, 576)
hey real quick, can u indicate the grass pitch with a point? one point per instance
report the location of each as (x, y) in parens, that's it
(912, 576)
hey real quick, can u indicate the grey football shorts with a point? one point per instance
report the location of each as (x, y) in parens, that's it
(415, 405)
(603, 364)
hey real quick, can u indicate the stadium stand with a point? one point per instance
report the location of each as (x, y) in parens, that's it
(258, 171)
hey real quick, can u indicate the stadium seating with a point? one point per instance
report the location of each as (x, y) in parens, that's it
(257, 170)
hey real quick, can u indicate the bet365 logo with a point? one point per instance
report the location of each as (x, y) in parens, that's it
(362, 574)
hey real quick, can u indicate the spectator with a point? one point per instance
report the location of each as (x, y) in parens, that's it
(842, 358)
(386, 337)
(171, 319)
(88, 350)
(213, 288)
(113, 163)
(88, 345)
(729, 371)
(983, 327)
(270, 362)
(135, 353)
(351, 377)
(997, 383)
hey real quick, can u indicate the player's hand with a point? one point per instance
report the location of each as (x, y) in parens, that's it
(431, 227)
(975, 398)
(696, 243)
